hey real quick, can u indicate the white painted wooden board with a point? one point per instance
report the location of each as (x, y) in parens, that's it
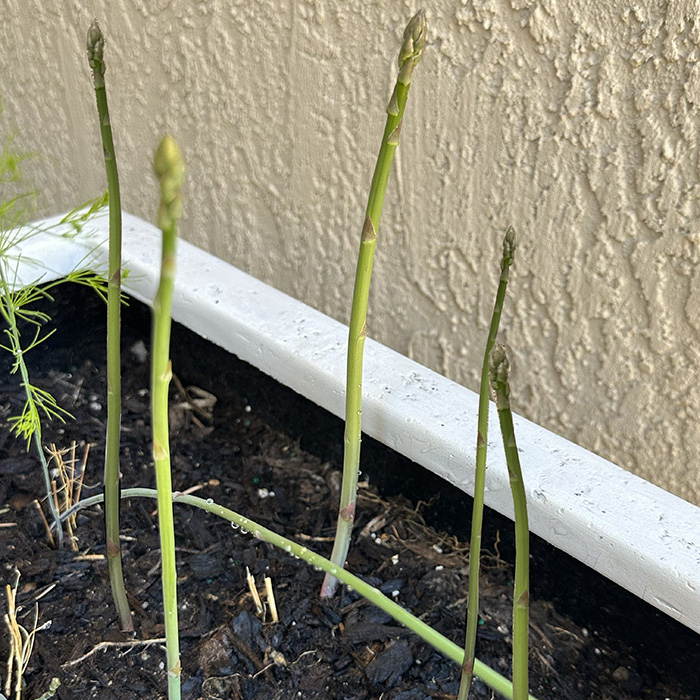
(640, 536)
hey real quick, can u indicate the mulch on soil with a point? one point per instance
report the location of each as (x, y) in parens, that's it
(223, 444)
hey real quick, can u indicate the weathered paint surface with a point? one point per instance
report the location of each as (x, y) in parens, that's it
(575, 122)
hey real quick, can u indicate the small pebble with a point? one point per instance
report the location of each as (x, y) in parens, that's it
(628, 679)
(621, 674)
(139, 351)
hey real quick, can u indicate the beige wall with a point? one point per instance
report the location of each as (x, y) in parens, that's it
(577, 122)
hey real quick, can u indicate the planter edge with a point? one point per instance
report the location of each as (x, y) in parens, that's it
(624, 527)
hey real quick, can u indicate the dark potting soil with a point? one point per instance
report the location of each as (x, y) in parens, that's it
(257, 447)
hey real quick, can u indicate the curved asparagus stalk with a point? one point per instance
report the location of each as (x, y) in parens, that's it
(499, 368)
(95, 49)
(480, 473)
(170, 171)
(449, 649)
(414, 39)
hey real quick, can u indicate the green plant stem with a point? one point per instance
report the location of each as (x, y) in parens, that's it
(95, 49)
(55, 516)
(435, 639)
(499, 368)
(169, 168)
(480, 473)
(7, 307)
(414, 39)
(36, 436)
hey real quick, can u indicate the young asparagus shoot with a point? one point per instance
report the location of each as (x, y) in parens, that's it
(480, 473)
(447, 648)
(170, 170)
(499, 368)
(414, 39)
(95, 50)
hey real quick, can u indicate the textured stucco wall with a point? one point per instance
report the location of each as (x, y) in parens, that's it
(574, 121)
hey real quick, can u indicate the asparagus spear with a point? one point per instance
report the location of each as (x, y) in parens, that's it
(480, 474)
(414, 39)
(499, 367)
(170, 171)
(95, 49)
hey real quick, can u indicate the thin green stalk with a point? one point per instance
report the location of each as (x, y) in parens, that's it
(16, 307)
(170, 170)
(435, 639)
(29, 423)
(414, 39)
(480, 473)
(499, 368)
(12, 301)
(95, 49)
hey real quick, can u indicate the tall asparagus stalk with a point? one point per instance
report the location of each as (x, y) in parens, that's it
(170, 171)
(95, 49)
(499, 368)
(480, 474)
(414, 39)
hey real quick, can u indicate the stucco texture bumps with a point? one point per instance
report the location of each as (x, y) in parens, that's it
(575, 122)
